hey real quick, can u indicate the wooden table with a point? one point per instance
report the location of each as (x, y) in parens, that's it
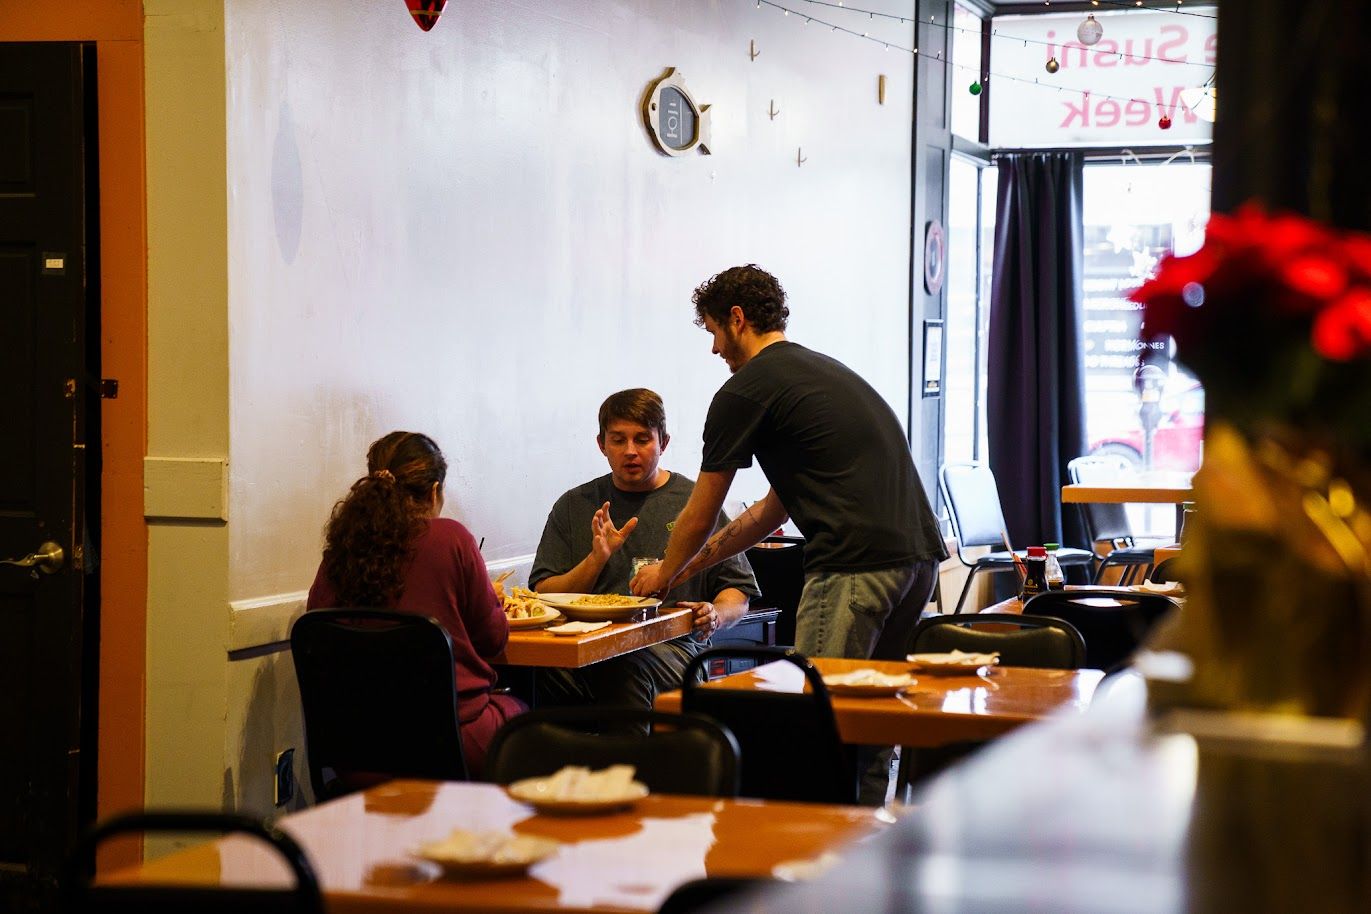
(1157, 488)
(627, 861)
(536, 647)
(938, 710)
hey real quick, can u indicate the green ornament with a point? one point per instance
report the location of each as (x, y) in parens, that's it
(974, 89)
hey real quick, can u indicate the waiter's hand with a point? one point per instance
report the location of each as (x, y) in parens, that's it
(706, 620)
(649, 581)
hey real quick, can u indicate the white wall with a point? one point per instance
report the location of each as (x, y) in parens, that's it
(467, 232)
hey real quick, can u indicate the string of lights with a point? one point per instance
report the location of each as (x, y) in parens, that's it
(983, 78)
(952, 27)
(1121, 4)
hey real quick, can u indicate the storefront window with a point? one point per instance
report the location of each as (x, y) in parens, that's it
(1141, 406)
(970, 242)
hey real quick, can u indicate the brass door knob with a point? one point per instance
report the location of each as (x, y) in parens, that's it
(48, 559)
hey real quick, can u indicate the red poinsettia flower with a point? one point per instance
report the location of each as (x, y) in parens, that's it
(1342, 332)
(1315, 278)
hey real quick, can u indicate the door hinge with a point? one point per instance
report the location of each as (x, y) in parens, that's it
(78, 558)
(69, 388)
(109, 388)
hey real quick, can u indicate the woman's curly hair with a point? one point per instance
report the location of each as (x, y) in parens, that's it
(751, 288)
(371, 535)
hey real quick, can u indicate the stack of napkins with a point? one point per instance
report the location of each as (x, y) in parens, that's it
(576, 628)
(1167, 587)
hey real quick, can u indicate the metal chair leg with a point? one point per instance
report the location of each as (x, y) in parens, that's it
(966, 588)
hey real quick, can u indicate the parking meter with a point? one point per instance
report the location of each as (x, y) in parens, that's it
(1148, 382)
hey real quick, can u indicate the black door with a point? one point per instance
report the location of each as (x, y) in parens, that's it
(44, 250)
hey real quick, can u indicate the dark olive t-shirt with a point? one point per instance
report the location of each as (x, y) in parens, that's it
(835, 454)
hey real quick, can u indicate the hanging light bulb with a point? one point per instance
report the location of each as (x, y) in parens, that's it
(1202, 102)
(1052, 65)
(974, 88)
(1089, 31)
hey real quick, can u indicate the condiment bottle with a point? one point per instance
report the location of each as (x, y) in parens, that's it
(1056, 579)
(1035, 577)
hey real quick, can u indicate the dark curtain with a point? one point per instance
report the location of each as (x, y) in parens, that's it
(1036, 397)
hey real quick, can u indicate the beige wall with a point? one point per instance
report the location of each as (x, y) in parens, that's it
(467, 232)
(188, 427)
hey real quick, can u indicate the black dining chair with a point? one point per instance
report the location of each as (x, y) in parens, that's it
(83, 896)
(1113, 623)
(712, 893)
(776, 730)
(1021, 640)
(778, 563)
(1165, 570)
(1035, 641)
(973, 506)
(1107, 524)
(682, 753)
(379, 696)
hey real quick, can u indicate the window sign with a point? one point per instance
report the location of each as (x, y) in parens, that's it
(1118, 91)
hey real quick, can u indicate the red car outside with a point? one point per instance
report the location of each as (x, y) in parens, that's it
(1177, 443)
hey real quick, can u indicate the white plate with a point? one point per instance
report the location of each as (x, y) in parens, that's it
(486, 856)
(593, 612)
(1168, 588)
(533, 792)
(868, 683)
(549, 615)
(955, 663)
(570, 629)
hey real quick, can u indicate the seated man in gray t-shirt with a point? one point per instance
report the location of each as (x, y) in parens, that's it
(597, 531)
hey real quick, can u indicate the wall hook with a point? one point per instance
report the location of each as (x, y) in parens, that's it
(752, 51)
(773, 110)
(800, 157)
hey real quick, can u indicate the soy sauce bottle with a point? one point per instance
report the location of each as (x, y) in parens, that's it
(1035, 580)
(1056, 578)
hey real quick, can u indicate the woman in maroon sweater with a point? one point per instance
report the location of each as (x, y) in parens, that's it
(387, 547)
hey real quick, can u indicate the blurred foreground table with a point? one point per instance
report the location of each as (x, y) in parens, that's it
(1110, 811)
(621, 862)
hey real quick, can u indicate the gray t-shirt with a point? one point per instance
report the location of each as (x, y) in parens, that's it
(567, 539)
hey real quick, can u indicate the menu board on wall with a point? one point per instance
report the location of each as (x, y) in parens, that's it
(1113, 93)
(1112, 322)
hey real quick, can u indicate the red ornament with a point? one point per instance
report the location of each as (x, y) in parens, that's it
(426, 12)
(1165, 122)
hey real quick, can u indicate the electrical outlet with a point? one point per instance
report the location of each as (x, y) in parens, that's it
(283, 784)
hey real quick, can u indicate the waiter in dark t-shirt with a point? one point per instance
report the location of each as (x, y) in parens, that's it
(838, 463)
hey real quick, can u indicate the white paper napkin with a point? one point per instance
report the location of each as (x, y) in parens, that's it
(576, 628)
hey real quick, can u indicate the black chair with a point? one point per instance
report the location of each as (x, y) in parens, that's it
(973, 505)
(688, 754)
(83, 896)
(379, 696)
(789, 742)
(1107, 524)
(778, 563)
(1165, 570)
(1037, 641)
(1112, 622)
(713, 893)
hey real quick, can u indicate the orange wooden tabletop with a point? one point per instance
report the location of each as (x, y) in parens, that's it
(1148, 488)
(626, 861)
(537, 647)
(937, 710)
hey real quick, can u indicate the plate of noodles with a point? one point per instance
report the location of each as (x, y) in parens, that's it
(593, 607)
